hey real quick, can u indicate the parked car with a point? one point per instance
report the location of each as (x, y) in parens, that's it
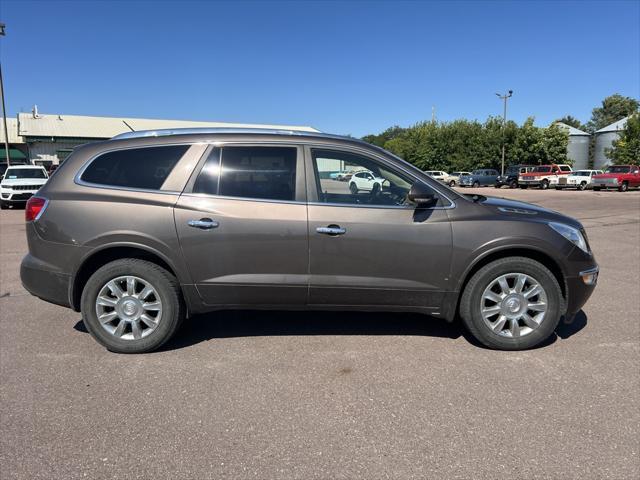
(510, 177)
(19, 183)
(621, 177)
(366, 181)
(143, 230)
(479, 178)
(580, 179)
(543, 176)
(437, 174)
(453, 178)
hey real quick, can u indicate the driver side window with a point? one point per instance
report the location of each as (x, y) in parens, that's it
(348, 178)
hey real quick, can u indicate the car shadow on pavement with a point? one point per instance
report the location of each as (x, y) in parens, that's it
(261, 323)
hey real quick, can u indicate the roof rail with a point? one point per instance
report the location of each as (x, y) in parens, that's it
(221, 130)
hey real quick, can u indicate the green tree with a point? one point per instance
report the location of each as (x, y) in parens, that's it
(626, 149)
(572, 122)
(384, 137)
(615, 107)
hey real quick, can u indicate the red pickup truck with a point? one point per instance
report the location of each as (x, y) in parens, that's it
(622, 177)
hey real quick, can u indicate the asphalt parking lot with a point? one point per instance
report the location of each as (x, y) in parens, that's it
(330, 395)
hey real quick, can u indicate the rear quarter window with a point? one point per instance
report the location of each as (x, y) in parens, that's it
(145, 168)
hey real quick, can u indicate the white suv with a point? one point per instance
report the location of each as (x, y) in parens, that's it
(365, 180)
(20, 183)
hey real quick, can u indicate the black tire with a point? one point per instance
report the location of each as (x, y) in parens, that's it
(167, 288)
(353, 189)
(624, 187)
(452, 183)
(513, 184)
(524, 187)
(472, 297)
(596, 189)
(583, 186)
(497, 186)
(3, 206)
(475, 184)
(544, 184)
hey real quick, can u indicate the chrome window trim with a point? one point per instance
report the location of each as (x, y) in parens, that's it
(78, 177)
(244, 199)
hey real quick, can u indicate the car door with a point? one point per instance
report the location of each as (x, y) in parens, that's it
(242, 225)
(374, 248)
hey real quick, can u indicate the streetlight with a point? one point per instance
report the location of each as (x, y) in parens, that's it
(504, 121)
(4, 111)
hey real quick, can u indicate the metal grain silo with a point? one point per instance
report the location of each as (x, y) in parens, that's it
(578, 147)
(604, 138)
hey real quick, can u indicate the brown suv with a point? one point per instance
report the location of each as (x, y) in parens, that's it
(143, 230)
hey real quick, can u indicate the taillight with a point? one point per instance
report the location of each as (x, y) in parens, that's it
(35, 207)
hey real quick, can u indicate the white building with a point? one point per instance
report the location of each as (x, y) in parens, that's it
(50, 138)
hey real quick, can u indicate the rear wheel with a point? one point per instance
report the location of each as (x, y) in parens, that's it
(513, 184)
(475, 184)
(624, 187)
(452, 183)
(513, 303)
(132, 306)
(352, 188)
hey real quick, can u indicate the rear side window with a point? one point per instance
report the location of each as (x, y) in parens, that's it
(145, 168)
(258, 172)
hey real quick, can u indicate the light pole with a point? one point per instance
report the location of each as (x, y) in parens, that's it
(504, 122)
(4, 111)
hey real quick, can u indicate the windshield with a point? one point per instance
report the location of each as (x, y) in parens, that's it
(542, 169)
(580, 173)
(618, 169)
(15, 173)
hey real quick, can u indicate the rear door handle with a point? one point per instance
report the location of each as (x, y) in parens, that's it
(203, 223)
(332, 230)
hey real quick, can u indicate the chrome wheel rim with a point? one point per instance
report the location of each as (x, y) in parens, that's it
(514, 305)
(128, 307)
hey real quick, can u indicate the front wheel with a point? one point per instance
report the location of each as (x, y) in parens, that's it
(452, 183)
(132, 306)
(582, 186)
(513, 303)
(524, 187)
(3, 206)
(513, 184)
(624, 187)
(475, 184)
(353, 189)
(544, 185)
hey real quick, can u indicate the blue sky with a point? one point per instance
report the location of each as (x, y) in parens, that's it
(344, 67)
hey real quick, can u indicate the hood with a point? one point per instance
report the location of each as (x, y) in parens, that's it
(24, 181)
(526, 211)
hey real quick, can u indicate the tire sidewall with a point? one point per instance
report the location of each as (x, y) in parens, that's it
(470, 303)
(159, 278)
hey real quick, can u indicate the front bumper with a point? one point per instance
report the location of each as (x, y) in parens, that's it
(580, 288)
(44, 283)
(8, 196)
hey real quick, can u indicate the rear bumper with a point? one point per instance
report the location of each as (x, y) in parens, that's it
(44, 283)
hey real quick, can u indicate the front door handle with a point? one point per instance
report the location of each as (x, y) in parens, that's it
(203, 223)
(332, 230)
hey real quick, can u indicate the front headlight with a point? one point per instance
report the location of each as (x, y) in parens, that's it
(572, 234)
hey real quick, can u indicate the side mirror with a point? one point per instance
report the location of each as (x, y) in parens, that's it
(422, 195)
